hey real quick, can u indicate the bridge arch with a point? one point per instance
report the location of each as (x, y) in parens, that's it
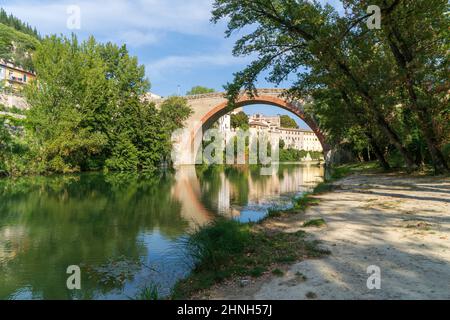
(222, 109)
(208, 108)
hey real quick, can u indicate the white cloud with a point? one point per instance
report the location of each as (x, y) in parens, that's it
(136, 38)
(190, 63)
(145, 18)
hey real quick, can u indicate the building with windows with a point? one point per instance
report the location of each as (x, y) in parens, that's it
(14, 77)
(273, 122)
(299, 139)
(270, 126)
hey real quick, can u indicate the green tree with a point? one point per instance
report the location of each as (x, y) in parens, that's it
(66, 102)
(240, 120)
(17, 24)
(337, 54)
(288, 122)
(415, 35)
(87, 112)
(17, 47)
(199, 90)
(5, 146)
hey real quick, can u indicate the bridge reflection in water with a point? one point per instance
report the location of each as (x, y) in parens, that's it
(124, 230)
(231, 192)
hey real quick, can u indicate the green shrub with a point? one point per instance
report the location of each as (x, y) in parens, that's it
(304, 201)
(125, 156)
(315, 223)
(149, 293)
(446, 152)
(217, 243)
(278, 273)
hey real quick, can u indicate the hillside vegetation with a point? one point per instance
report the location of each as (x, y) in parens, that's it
(16, 46)
(17, 24)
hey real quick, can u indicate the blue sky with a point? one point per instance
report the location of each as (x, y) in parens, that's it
(174, 39)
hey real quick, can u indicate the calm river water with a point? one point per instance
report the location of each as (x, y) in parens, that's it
(124, 231)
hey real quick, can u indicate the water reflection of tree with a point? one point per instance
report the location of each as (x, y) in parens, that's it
(238, 177)
(210, 184)
(247, 184)
(212, 179)
(74, 219)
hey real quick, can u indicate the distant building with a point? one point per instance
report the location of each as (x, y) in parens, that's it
(272, 122)
(224, 125)
(13, 76)
(299, 139)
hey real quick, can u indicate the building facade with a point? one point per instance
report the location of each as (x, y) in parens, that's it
(299, 139)
(14, 77)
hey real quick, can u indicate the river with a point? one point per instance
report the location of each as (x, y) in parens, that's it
(124, 231)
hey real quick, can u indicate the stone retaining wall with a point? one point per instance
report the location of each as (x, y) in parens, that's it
(10, 101)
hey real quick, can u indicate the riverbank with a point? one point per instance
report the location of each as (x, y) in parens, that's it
(394, 221)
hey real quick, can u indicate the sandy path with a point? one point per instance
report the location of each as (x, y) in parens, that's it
(398, 223)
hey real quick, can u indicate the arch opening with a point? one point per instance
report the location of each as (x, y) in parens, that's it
(222, 109)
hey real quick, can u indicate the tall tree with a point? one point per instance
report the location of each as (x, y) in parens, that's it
(87, 110)
(413, 32)
(288, 122)
(291, 35)
(5, 143)
(240, 120)
(66, 102)
(17, 24)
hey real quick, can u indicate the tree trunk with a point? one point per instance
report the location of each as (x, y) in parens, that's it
(379, 117)
(377, 151)
(344, 68)
(403, 56)
(427, 128)
(395, 140)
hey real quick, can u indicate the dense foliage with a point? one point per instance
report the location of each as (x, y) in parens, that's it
(17, 24)
(199, 90)
(294, 155)
(17, 47)
(87, 112)
(5, 142)
(385, 89)
(288, 122)
(240, 120)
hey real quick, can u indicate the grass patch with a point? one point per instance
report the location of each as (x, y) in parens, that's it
(323, 188)
(287, 259)
(340, 172)
(278, 273)
(315, 250)
(274, 213)
(228, 248)
(315, 223)
(299, 204)
(304, 201)
(257, 272)
(149, 293)
(421, 225)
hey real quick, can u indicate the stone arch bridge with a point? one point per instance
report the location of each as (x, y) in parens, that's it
(208, 108)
